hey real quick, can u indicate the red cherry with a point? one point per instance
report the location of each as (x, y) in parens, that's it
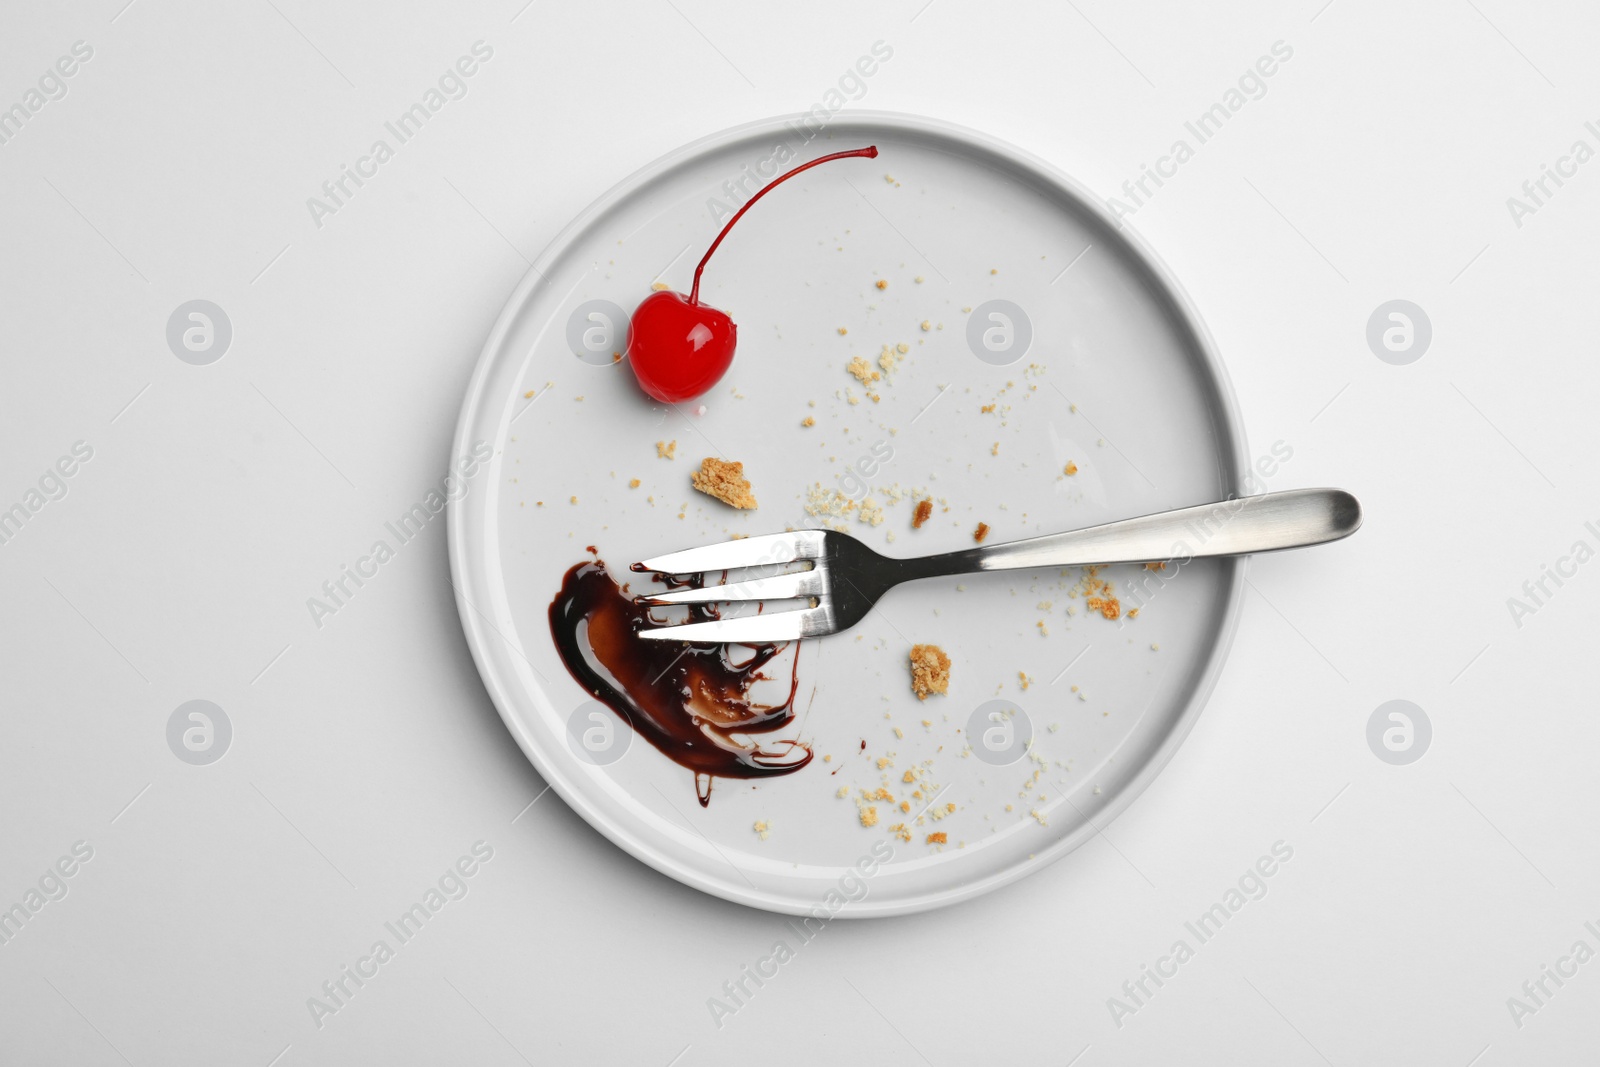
(678, 350)
(678, 347)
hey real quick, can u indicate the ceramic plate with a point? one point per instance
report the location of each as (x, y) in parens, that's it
(1047, 374)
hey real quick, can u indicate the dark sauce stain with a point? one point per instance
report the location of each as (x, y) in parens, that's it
(686, 700)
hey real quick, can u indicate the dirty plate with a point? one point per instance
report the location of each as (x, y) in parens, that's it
(1039, 338)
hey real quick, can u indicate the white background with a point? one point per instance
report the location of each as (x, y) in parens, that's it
(366, 757)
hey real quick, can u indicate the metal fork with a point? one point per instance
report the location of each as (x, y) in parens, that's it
(846, 578)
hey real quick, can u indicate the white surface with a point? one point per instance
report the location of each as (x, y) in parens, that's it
(1098, 318)
(366, 758)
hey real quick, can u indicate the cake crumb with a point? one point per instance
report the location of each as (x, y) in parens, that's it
(528, 395)
(938, 838)
(763, 829)
(869, 816)
(659, 287)
(633, 483)
(1108, 606)
(882, 283)
(1155, 566)
(843, 331)
(725, 481)
(808, 421)
(1070, 469)
(862, 370)
(930, 670)
(924, 510)
(667, 449)
(981, 532)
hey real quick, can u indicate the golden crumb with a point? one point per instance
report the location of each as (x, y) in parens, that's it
(808, 421)
(981, 532)
(633, 483)
(1155, 566)
(667, 449)
(528, 395)
(1108, 606)
(869, 816)
(763, 829)
(659, 287)
(1070, 469)
(938, 839)
(725, 481)
(843, 331)
(909, 776)
(924, 510)
(882, 283)
(926, 326)
(574, 500)
(930, 670)
(862, 370)
(884, 761)
(987, 409)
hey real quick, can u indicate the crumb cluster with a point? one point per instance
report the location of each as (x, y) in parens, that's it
(725, 481)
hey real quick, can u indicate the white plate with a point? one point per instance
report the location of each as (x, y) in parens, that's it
(1120, 378)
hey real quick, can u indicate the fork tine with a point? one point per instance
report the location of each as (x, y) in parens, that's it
(751, 629)
(783, 587)
(745, 552)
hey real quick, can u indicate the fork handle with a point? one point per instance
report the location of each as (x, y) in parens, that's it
(1294, 518)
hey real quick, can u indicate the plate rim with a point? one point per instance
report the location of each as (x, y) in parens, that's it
(639, 846)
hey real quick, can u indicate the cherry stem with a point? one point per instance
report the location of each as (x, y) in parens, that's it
(870, 152)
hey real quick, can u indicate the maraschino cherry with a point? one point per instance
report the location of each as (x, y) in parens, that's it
(679, 347)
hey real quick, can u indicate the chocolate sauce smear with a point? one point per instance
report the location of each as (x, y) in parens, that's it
(687, 700)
